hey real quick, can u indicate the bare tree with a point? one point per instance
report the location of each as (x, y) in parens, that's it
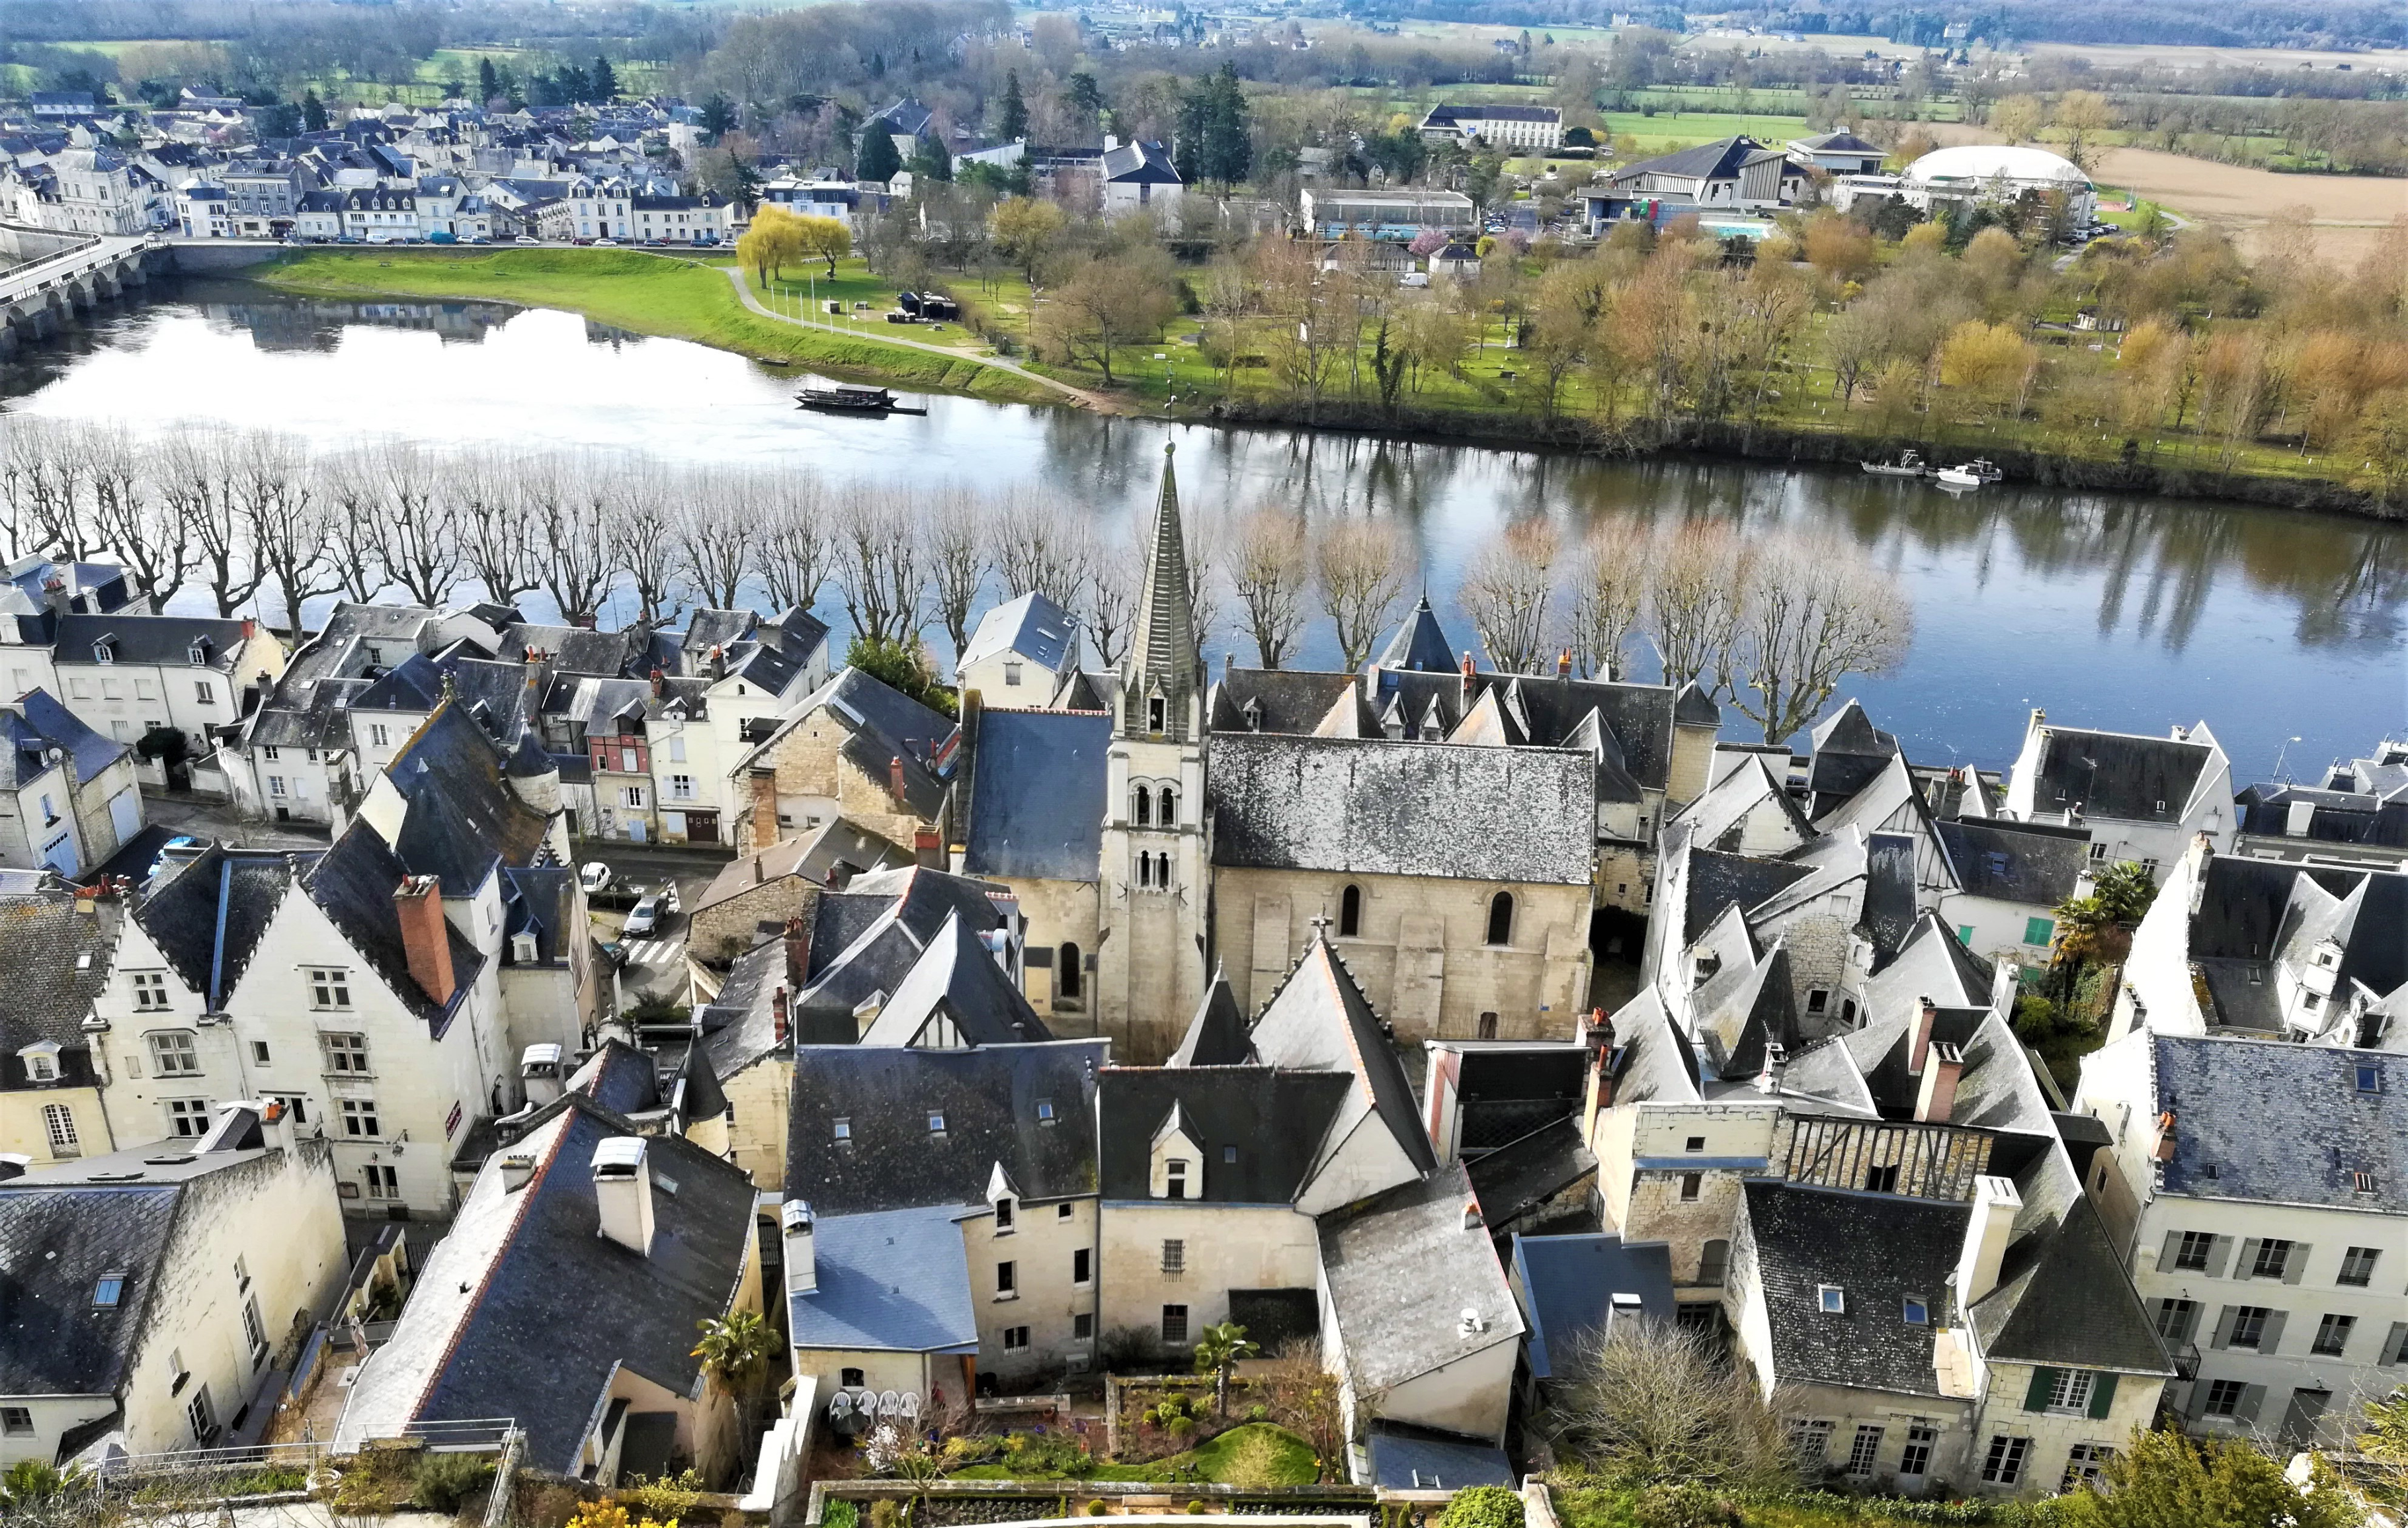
(495, 534)
(57, 483)
(1694, 599)
(355, 504)
(642, 540)
(1208, 540)
(418, 532)
(1815, 613)
(285, 519)
(1653, 1402)
(197, 475)
(715, 529)
(797, 551)
(880, 568)
(1270, 572)
(1041, 547)
(1610, 579)
(1505, 592)
(956, 539)
(1115, 572)
(152, 536)
(21, 452)
(1362, 568)
(567, 502)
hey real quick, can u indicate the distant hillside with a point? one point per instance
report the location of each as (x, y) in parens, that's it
(2267, 24)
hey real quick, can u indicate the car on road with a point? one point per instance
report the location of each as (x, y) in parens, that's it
(594, 877)
(669, 901)
(606, 243)
(182, 841)
(526, 238)
(646, 919)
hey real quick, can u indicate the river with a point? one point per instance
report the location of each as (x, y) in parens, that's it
(2114, 610)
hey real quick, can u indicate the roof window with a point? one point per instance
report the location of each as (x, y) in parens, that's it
(1916, 1312)
(108, 1290)
(2362, 1182)
(844, 1128)
(2370, 1077)
(1831, 1298)
(936, 1122)
(1045, 1111)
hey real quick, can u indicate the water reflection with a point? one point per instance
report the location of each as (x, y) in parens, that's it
(2112, 610)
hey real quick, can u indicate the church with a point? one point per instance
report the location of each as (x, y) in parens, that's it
(1451, 833)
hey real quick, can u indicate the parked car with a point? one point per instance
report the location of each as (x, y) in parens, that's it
(528, 239)
(606, 243)
(594, 877)
(645, 919)
(182, 841)
(669, 903)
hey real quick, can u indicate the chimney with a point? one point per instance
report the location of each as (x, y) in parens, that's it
(718, 661)
(894, 778)
(1473, 1218)
(781, 1026)
(657, 678)
(541, 1073)
(802, 1264)
(1995, 1204)
(2165, 1149)
(623, 1192)
(799, 953)
(927, 849)
(759, 875)
(1922, 1041)
(249, 627)
(276, 1124)
(1467, 664)
(425, 941)
(1564, 664)
(517, 1168)
(1938, 1095)
(1228, 665)
(54, 593)
(764, 809)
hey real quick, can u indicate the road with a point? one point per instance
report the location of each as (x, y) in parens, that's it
(656, 965)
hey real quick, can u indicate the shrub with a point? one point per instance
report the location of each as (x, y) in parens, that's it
(1682, 1507)
(445, 1480)
(1196, 1509)
(668, 1498)
(1483, 1507)
(1258, 1413)
(884, 1513)
(1098, 1507)
(841, 1514)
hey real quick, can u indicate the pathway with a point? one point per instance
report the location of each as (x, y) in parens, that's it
(1093, 400)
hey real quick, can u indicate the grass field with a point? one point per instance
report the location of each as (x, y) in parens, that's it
(644, 293)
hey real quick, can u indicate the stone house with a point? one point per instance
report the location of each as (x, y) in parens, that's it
(643, 1238)
(754, 897)
(155, 1293)
(856, 748)
(2252, 1187)
(129, 676)
(1031, 805)
(69, 798)
(1020, 652)
(56, 948)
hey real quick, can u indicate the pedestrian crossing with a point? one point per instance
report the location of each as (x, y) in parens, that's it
(654, 952)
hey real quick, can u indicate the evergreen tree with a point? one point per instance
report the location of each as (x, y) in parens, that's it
(574, 87)
(1193, 130)
(1011, 119)
(718, 116)
(604, 79)
(878, 160)
(1085, 97)
(1228, 152)
(933, 160)
(489, 84)
(313, 112)
(506, 86)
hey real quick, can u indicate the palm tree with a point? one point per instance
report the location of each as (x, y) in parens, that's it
(735, 1351)
(1218, 1349)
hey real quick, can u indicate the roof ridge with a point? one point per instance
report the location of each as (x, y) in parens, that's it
(527, 1192)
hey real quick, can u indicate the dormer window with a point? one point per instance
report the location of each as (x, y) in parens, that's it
(1175, 1173)
(1003, 1217)
(42, 1061)
(1253, 711)
(199, 652)
(104, 651)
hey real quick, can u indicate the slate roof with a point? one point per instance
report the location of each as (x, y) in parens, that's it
(464, 818)
(883, 724)
(1718, 880)
(1031, 625)
(889, 1280)
(1717, 161)
(840, 844)
(988, 1098)
(618, 1077)
(1520, 1175)
(1037, 807)
(1421, 643)
(55, 961)
(54, 1244)
(1401, 1269)
(1849, 752)
(1879, 1250)
(2030, 863)
(353, 882)
(956, 993)
(37, 719)
(1277, 1122)
(1841, 141)
(1216, 1036)
(2135, 778)
(2063, 1296)
(524, 1256)
(1375, 807)
(1568, 1284)
(864, 940)
(1319, 1020)
(2282, 1123)
(208, 913)
(1418, 1459)
(1281, 699)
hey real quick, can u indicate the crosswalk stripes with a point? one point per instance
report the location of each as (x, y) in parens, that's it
(652, 952)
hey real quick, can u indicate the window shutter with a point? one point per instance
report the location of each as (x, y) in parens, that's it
(2036, 1398)
(2393, 1344)
(2252, 1397)
(2223, 1326)
(2271, 1337)
(2166, 1253)
(2299, 1263)
(2222, 1250)
(2248, 1262)
(2102, 1396)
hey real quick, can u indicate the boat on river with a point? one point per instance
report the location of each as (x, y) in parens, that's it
(843, 399)
(1971, 474)
(1909, 465)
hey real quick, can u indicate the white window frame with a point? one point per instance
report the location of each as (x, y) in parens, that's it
(2069, 1390)
(360, 1120)
(188, 1118)
(330, 988)
(174, 1053)
(346, 1053)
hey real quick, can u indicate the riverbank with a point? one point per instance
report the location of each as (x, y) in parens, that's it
(643, 294)
(683, 298)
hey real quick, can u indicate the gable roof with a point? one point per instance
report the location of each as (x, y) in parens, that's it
(55, 961)
(888, 1280)
(1569, 1286)
(39, 719)
(988, 1098)
(1216, 1036)
(1320, 1021)
(955, 992)
(2124, 775)
(353, 884)
(840, 844)
(1401, 1268)
(1717, 161)
(463, 819)
(2030, 863)
(207, 914)
(2269, 1120)
(1035, 808)
(1879, 1250)
(1276, 1123)
(1031, 625)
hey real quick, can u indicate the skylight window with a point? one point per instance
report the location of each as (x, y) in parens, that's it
(1916, 1312)
(843, 1129)
(1045, 1111)
(936, 1123)
(1833, 1299)
(2370, 1077)
(108, 1290)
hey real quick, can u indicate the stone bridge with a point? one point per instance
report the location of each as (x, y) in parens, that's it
(60, 273)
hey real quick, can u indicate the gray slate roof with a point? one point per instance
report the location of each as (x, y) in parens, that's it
(2030, 863)
(1276, 1122)
(2117, 774)
(1037, 806)
(1401, 1267)
(55, 961)
(892, 1280)
(1382, 808)
(1878, 1248)
(2283, 1122)
(1568, 1286)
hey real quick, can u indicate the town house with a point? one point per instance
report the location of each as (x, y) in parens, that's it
(2142, 798)
(68, 797)
(56, 948)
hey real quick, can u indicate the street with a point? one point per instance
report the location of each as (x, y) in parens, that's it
(655, 962)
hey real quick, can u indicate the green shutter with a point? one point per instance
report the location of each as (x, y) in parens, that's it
(1965, 936)
(2036, 1398)
(2102, 1396)
(2039, 931)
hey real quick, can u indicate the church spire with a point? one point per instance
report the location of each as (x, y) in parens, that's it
(1159, 677)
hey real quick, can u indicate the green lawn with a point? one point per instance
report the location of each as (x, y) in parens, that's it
(645, 294)
(1663, 131)
(1596, 1507)
(1257, 1455)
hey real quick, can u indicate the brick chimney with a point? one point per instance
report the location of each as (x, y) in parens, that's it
(1922, 1041)
(249, 627)
(56, 595)
(778, 1013)
(927, 849)
(798, 952)
(657, 678)
(764, 809)
(1564, 664)
(895, 777)
(424, 938)
(1938, 1095)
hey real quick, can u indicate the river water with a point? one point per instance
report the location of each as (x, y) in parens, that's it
(2115, 611)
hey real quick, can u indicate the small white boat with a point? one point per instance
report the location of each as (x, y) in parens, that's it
(1971, 474)
(1909, 465)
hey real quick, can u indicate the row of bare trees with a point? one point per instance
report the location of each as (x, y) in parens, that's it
(1771, 623)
